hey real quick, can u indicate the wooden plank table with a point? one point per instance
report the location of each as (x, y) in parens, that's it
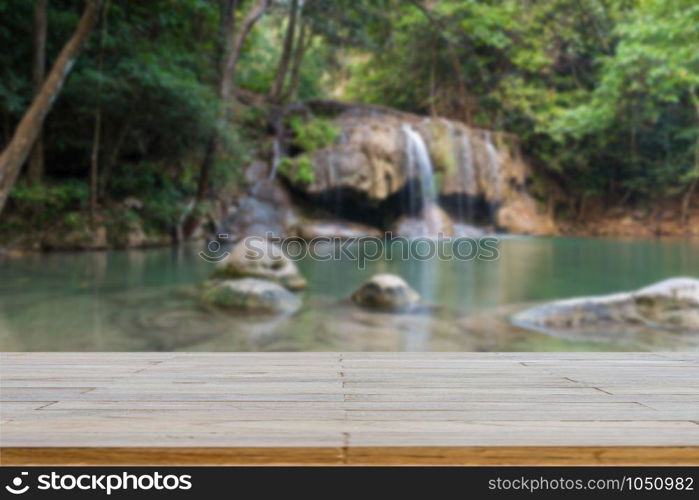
(349, 408)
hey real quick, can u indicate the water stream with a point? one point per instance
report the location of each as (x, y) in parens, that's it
(493, 170)
(462, 152)
(419, 166)
(141, 301)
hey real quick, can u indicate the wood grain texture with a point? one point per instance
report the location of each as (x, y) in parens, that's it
(394, 455)
(349, 408)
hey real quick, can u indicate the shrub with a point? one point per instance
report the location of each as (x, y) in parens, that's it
(313, 134)
(41, 203)
(299, 169)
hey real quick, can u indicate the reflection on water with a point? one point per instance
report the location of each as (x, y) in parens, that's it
(141, 301)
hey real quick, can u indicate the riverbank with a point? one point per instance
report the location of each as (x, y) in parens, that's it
(16, 238)
(663, 220)
(331, 168)
(142, 300)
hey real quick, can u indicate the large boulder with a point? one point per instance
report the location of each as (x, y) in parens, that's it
(370, 158)
(671, 304)
(259, 258)
(251, 295)
(387, 292)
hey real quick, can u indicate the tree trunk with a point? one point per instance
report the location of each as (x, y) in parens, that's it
(687, 198)
(433, 92)
(36, 157)
(551, 205)
(582, 211)
(209, 158)
(97, 131)
(303, 43)
(113, 157)
(15, 154)
(463, 94)
(226, 30)
(6, 128)
(229, 60)
(227, 44)
(94, 160)
(253, 15)
(283, 66)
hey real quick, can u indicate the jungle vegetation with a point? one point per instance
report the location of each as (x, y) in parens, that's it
(168, 100)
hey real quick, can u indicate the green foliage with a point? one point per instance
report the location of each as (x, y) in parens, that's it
(15, 82)
(119, 223)
(41, 203)
(644, 104)
(163, 196)
(313, 134)
(299, 169)
(258, 65)
(604, 94)
(153, 79)
(73, 220)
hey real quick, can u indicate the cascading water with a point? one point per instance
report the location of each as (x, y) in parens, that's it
(493, 173)
(463, 158)
(333, 199)
(419, 165)
(276, 158)
(493, 167)
(418, 160)
(468, 172)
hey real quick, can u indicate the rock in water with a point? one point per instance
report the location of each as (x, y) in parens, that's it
(258, 258)
(670, 304)
(673, 302)
(251, 295)
(387, 292)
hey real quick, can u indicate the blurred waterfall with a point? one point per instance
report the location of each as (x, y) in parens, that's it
(276, 157)
(493, 167)
(419, 165)
(493, 173)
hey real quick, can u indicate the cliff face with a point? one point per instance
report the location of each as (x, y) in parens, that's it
(382, 154)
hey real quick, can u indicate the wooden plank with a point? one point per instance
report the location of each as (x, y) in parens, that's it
(364, 408)
(156, 456)
(524, 455)
(245, 439)
(174, 406)
(453, 455)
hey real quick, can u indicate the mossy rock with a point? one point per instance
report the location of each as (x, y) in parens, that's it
(387, 293)
(251, 295)
(258, 258)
